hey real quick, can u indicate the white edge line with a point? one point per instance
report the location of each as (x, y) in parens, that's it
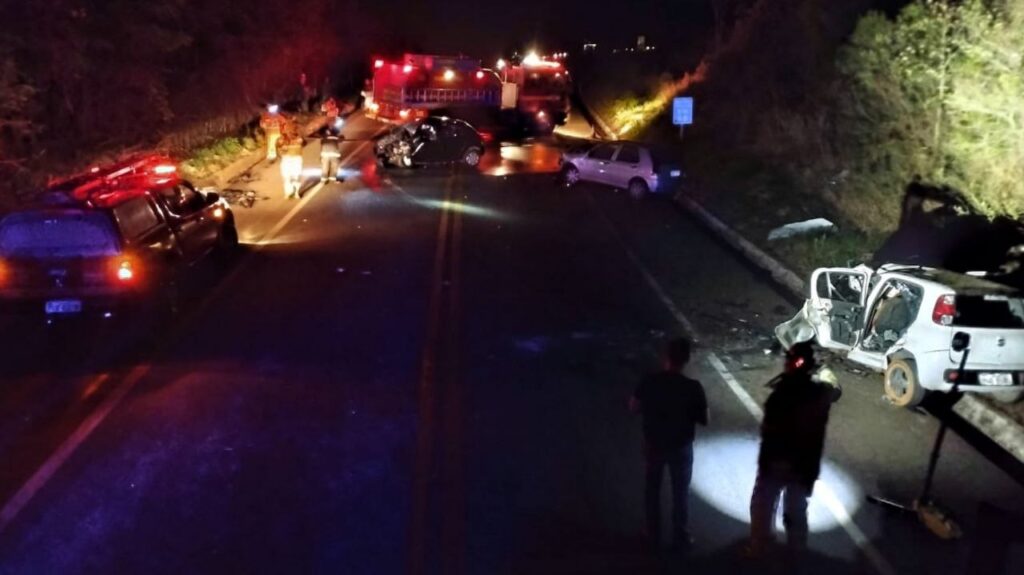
(829, 498)
(745, 398)
(56, 460)
(42, 476)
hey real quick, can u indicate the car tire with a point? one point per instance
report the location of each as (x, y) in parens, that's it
(570, 175)
(638, 189)
(902, 386)
(227, 243)
(471, 157)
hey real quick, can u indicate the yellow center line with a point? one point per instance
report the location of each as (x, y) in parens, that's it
(422, 470)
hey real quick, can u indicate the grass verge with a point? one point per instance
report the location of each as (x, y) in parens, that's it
(206, 160)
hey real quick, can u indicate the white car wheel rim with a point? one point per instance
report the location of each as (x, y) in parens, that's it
(898, 382)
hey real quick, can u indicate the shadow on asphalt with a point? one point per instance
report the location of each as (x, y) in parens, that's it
(89, 345)
(578, 546)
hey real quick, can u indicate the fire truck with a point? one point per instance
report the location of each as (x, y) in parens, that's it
(534, 92)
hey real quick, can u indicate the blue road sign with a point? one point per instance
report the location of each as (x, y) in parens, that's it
(682, 111)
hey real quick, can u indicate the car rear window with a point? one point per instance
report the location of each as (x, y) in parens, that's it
(993, 310)
(136, 217)
(57, 235)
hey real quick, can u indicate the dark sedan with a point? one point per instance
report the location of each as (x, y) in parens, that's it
(435, 140)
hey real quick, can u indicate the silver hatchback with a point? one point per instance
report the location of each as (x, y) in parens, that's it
(623, 165)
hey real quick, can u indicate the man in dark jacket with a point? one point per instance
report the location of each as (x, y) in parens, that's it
(792, 441)
(672, 405)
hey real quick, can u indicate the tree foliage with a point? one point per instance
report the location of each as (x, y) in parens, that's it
(938, 93)
(77, 74)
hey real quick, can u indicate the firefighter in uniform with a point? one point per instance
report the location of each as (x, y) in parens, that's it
(330, 109)
(330, 154)
(272, 123)
(291, 161)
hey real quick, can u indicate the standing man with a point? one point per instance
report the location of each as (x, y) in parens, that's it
(330, 155)
(671, 405)
(291, 162)
(272, 123)
(330, 109)
(792, 441)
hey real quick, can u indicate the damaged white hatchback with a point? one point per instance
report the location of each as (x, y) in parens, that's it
(900, 320)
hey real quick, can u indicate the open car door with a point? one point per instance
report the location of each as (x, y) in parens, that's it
(836, 307)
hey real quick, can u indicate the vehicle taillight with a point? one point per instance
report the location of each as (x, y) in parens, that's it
(407, 69)
(124, 270)
(404, 114)
(945, 310)
(378, 63)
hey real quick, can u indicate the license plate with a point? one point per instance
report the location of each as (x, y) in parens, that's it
(60, 306)
(1001, 379)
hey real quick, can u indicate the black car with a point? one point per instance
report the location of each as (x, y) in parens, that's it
(75, 256)
(431, 141)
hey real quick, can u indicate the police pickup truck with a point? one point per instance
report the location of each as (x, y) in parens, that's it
(108, 240)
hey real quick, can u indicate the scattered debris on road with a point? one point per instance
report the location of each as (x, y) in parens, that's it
(244, 198)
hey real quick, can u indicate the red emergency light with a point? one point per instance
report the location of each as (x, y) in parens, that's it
(407, 69)
(106, 184)
(378, 63)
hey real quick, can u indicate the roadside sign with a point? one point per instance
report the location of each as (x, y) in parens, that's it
(682, 111)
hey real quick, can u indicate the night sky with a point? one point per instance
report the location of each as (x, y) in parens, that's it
(482, 27)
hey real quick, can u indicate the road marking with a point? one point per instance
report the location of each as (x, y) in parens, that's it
(13, 506)
(306, 198)
(828, 496)
(424, 458)
(42, 476)
(745, 398)
(453, 535)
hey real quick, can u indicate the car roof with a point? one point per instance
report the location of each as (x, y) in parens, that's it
(106, 199)
(962, 283)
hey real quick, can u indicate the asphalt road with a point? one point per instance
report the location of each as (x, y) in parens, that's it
(427, 372)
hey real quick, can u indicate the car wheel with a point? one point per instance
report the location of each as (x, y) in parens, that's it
(571, 175)
(902, 386)
(227, 242)
(471, 157)
(638, 188)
